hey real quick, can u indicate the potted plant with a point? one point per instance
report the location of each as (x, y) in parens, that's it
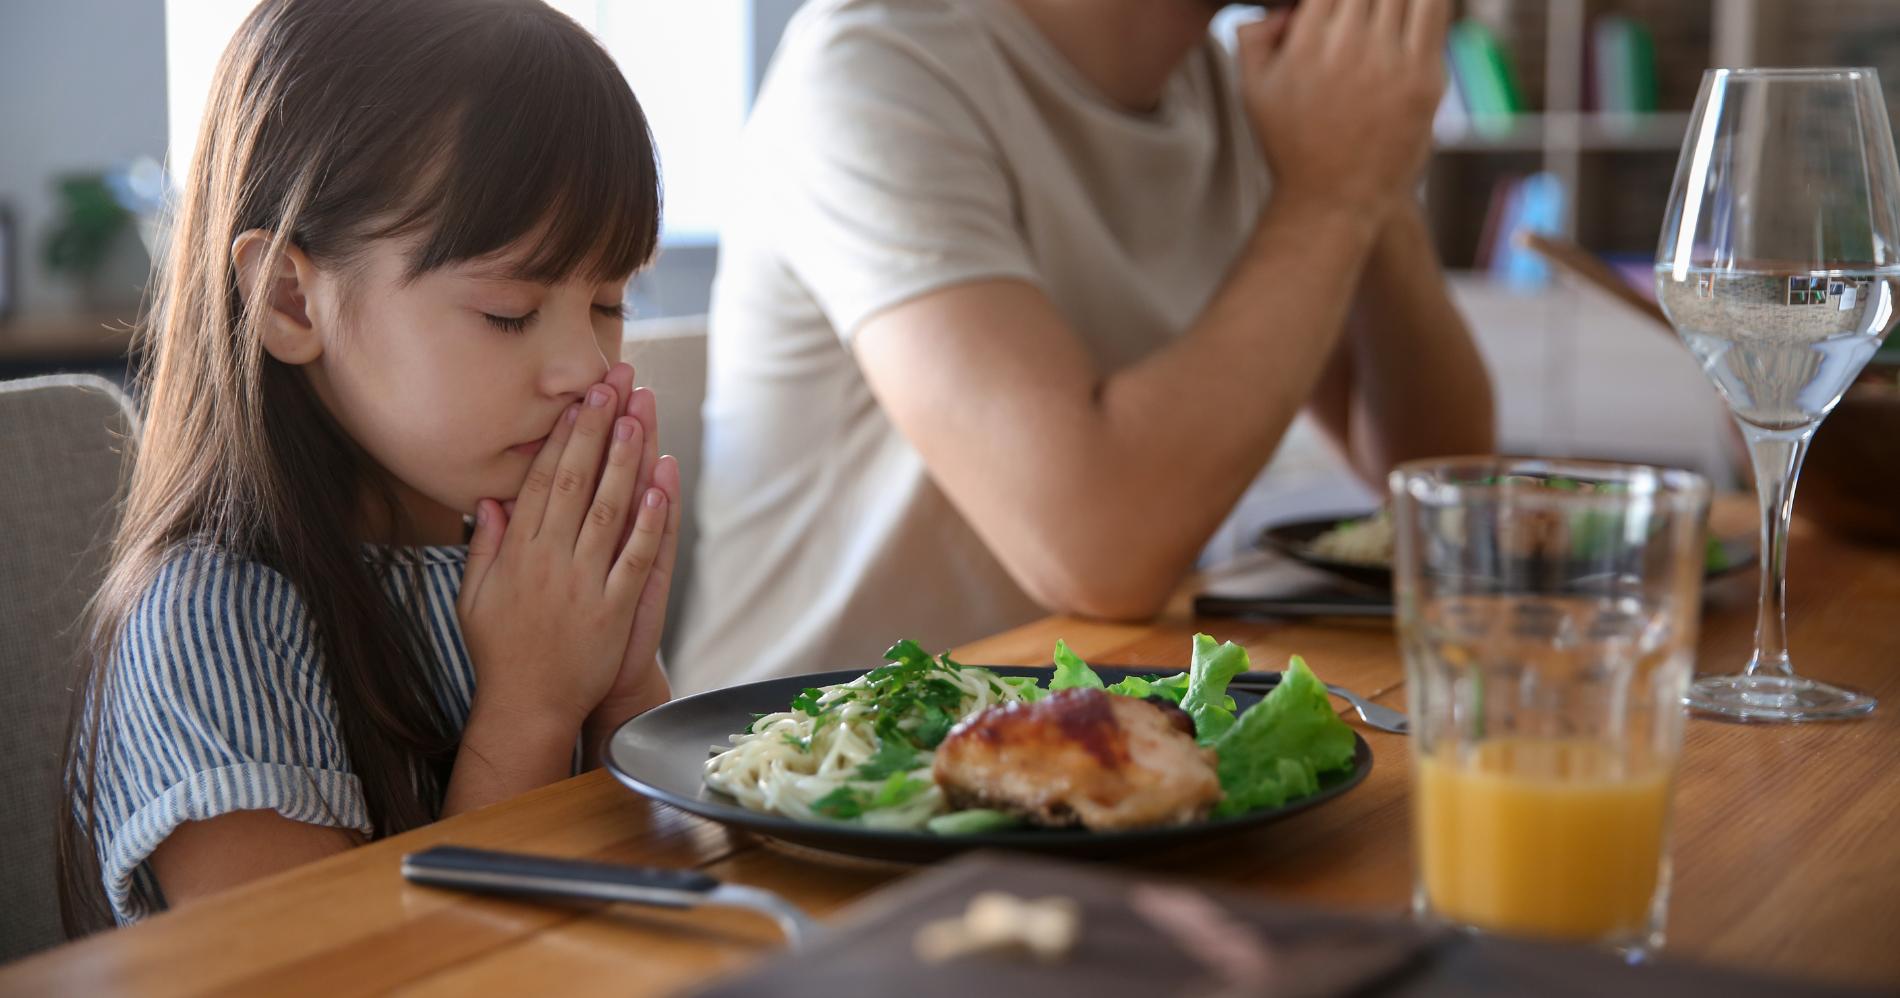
(87, 230)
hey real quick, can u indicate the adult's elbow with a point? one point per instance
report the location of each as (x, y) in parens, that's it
(1482, 430)
(1101, 596)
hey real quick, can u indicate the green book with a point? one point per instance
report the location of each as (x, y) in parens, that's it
(1642, 67)
(1483, 74)
(1609, 65)
(1623, 66)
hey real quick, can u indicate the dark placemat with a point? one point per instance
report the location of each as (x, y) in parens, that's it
(1144, 936)
(1281, 587)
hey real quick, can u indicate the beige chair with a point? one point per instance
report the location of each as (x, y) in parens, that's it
(669, 356)
(61, 443)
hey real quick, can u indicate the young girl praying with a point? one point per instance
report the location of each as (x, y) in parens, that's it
(391, 302)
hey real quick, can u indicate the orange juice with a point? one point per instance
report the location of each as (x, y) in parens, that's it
(1544, 838)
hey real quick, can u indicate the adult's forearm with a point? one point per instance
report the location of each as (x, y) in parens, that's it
(1097, 490)
(1180, 435)
(1420, 388)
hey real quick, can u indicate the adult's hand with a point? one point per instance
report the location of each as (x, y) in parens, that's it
(1341, 94)
(1095, 489)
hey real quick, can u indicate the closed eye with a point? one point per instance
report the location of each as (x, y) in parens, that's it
(509, 323)
(616, 311)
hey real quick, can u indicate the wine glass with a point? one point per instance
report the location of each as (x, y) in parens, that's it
(1778, 266)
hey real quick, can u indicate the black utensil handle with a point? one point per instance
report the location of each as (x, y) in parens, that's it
(516, 873)
(1249, 606)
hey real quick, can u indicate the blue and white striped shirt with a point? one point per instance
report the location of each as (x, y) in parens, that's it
(216, 702)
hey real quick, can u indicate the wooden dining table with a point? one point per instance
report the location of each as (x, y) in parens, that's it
(1786, 838)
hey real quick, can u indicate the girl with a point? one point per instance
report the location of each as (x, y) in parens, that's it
(391, 299)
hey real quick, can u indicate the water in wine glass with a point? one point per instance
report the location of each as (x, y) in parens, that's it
(1781, 347)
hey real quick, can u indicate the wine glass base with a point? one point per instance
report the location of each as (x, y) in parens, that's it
(1776, 699)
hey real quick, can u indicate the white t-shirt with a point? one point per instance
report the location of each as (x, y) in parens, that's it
(899, 147)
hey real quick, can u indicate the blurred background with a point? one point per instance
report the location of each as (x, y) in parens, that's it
(1564, 118)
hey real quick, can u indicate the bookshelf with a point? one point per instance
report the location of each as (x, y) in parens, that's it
(1572, 132)
(1575, 372)
(1615, 167)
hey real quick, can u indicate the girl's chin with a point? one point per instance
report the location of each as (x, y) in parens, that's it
(529, 449)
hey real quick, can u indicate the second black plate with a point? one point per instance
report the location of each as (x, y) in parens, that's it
(1294, 539)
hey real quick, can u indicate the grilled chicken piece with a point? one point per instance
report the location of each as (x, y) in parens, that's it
(1081, 756)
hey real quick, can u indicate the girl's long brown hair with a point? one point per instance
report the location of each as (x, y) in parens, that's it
(465, 125)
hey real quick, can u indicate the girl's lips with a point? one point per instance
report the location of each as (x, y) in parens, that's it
(530, 449)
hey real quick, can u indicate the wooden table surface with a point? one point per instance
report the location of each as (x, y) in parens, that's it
(1787, 855)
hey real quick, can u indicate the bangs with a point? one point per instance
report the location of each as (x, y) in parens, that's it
(543, 142)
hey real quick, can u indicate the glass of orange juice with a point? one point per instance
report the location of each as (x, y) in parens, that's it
(1548, 614)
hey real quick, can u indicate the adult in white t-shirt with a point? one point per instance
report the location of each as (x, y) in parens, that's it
(1006, 321)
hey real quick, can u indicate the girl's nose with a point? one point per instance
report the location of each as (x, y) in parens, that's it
(573, 362)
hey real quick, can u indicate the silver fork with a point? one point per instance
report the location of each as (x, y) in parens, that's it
(487, 871)
(1381, 717)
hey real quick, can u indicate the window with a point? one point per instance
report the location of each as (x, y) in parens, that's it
(196, 32)
(691, 63)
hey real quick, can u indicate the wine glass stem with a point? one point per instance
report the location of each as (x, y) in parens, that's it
(1777, 458)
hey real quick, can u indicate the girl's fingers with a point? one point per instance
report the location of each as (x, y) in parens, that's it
(649, 621)
(644, 406)
(620, 378)
(666, 478)
(532, 502)
(572, 490)
(613, 499)
(637, 558)
(491, 523)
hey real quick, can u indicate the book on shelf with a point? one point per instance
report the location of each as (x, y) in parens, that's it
(1534, 202)
(1621, 60)
(1481, 73)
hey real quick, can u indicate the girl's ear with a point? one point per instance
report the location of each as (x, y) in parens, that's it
(288, 333)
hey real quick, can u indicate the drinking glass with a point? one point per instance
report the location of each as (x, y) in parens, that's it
(1547, 613)
(1778, 264)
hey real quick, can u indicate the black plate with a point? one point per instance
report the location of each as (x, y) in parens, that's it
(663, 752)
(1295, 540)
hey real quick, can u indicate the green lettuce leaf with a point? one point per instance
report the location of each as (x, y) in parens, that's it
(1206, 700)
(1071, 671)
(1278, 748)
(1026, 686)
(1171, 689)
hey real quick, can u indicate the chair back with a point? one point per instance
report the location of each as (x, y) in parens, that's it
(62, 443)
(669, 356)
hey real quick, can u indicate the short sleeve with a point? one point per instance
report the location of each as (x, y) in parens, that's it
(214, 703)
(882, 181)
